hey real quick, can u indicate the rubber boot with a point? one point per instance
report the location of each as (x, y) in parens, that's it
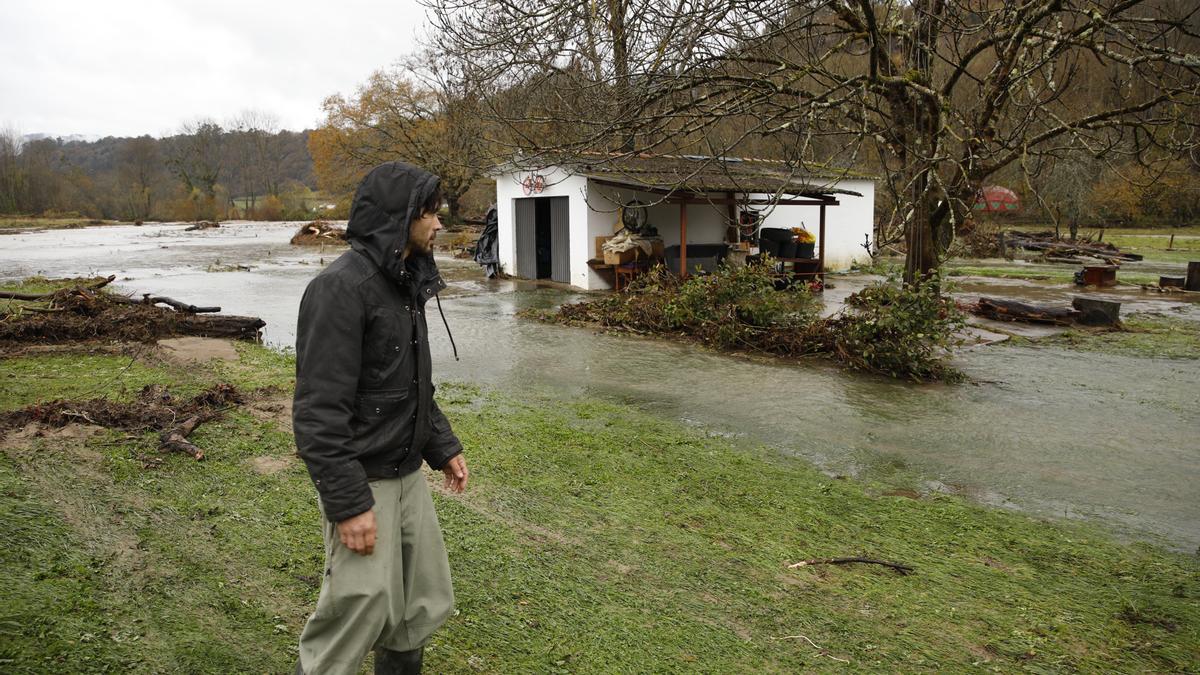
(388, 662)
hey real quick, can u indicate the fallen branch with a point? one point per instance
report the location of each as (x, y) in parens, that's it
(1052, 246)
(175, 440)
(85, 314)
(899, 567)
(154, 409)
(178, 305)
(823, 652)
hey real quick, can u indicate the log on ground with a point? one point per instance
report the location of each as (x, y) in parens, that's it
(1011, 310)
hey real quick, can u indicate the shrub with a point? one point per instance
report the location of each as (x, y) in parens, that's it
(269, 208)
(734, 307)
(898, 331)
(901, 331)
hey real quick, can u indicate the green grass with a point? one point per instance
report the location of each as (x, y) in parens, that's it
(1144, 335)
(1064, 275)
(34, 223)
(34, 286)
(594, 538)
(1186, 248)
(1150, 242)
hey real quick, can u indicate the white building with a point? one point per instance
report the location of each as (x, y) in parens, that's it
(550, 218)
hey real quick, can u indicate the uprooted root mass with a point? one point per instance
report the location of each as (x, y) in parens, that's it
(85, 312)
(154, 409)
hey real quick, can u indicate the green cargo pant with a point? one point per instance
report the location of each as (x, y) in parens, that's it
(394, 598)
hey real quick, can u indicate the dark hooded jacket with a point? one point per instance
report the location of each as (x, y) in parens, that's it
(364, 405)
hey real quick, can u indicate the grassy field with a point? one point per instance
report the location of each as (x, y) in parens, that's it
(1154, 244)
(964, 267)
(1144, 335)
(1064, 275)
(32, 223)
(593, 538)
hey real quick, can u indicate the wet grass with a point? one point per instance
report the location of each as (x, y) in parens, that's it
(33, 223)
(36, 286)
(1158, 247)
(1154, 243)
(1144, 335)
(594, 538)
(1064, 275)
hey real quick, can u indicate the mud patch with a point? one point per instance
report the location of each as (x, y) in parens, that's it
(25, 436)
(277, 409)
(268, 465)
(188, 350)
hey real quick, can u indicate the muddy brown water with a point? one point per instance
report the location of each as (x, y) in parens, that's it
(1056, 433)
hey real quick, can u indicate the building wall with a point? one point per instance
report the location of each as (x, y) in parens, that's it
(593, 213)
(846, 224)
(557, 184)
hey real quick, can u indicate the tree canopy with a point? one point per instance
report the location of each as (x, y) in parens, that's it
(937, 96)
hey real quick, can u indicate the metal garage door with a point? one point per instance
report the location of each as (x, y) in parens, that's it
(526, 234)
(560, 239)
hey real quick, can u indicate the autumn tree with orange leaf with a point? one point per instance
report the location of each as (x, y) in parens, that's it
(421, 112)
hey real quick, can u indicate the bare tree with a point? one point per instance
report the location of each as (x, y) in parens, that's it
(254, 154)
(197, 156)
(12, 178)
(139, 168)
(937, 95)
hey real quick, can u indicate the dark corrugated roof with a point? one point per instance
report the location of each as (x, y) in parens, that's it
(701, 174)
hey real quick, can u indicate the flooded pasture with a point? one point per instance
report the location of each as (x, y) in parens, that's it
(1044, 430)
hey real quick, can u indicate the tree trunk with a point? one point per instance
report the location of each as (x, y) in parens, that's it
(454, 205)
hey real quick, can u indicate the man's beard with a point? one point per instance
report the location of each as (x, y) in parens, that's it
(418, 247)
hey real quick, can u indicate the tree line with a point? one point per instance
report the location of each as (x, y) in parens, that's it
(246, 168)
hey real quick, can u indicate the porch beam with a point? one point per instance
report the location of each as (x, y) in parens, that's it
(821, 244)
(676, 196)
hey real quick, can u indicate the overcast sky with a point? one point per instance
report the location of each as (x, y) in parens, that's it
(125, 68)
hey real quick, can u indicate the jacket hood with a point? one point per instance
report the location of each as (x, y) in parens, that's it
(387, 201)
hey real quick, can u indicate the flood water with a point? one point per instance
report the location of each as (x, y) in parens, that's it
(1047, 431)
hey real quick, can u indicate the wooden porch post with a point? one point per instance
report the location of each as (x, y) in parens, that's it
(737, 226)
(821, 243)
(683, 239)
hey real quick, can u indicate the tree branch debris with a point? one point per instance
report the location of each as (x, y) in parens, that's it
(903, 569)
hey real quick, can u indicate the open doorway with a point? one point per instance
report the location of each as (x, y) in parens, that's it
(543, 238)
(544, 245)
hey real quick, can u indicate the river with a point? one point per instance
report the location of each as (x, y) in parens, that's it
(1048, 431)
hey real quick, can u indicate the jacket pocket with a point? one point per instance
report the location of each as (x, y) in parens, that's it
(372, 405)
(387, 344)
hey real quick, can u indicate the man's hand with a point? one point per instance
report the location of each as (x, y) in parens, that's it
(358, 532)
(456, 473)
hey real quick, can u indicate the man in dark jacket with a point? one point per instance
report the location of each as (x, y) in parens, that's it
(364, 419)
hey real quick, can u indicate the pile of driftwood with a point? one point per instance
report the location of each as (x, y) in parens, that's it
(87, 312)
(154, 409)
(1054, 249)
(317, 233)
(1083, 311)
(202, 225)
